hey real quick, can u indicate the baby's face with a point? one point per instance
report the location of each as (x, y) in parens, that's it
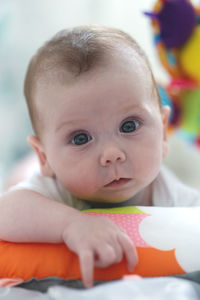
(104, 134)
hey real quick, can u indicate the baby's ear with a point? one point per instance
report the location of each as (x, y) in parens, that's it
(38, 148)
(165, 112)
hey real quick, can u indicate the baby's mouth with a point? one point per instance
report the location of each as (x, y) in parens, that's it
(118, 183)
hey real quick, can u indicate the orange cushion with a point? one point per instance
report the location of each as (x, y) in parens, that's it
(42, 260)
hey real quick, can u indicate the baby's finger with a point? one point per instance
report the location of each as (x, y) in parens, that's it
(129, 250)
(106, 255)
(87, 267)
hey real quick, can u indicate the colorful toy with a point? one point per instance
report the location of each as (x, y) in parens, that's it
(167, 242)
(176, 29)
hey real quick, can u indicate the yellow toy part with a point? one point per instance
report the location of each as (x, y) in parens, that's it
(189, 57)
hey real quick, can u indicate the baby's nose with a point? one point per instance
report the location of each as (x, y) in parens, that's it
(111, 156)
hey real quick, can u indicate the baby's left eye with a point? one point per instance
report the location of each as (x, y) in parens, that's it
(129, 126)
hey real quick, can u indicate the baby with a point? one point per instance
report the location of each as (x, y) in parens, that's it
(100, 137)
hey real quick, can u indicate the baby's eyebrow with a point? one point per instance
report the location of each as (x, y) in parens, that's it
(72, 122)
(134, 107)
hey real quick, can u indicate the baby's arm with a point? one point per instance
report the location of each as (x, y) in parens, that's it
(27, 216)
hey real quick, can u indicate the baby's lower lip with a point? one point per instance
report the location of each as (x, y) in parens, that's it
(118, 183)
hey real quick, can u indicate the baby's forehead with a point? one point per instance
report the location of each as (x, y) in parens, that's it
(120, 61)
(115, 76)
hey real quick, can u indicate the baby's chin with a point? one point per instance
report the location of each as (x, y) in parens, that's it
(113, 198)
(142, 197)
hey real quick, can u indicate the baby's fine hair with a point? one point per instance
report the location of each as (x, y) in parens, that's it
(74, 50)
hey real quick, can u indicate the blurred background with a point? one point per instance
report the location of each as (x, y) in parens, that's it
(26, 24)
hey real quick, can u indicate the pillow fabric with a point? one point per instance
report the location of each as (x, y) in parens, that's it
(166, 239)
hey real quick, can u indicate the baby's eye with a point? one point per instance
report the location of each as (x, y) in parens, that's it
(81, 139)
(130, 126)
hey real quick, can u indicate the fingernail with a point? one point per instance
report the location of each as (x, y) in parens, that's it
(88, 285)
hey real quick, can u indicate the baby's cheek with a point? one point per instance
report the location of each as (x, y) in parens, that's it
(81, 185)
(151, 164)
(149, 158)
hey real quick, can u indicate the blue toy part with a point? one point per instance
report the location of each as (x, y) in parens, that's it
(165, 99)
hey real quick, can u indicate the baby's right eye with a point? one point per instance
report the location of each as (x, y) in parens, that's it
(81, 139)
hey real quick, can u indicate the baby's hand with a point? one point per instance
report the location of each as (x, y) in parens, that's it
(98, 242)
